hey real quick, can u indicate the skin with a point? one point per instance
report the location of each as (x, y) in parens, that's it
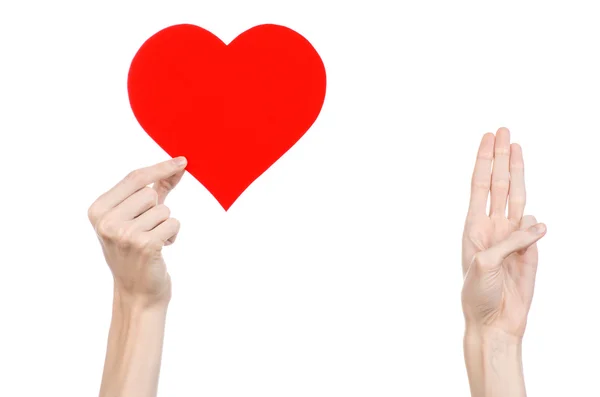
(499, 262)
(133, 225)
(499, 266)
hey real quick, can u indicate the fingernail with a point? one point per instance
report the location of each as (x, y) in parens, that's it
(540, 228)
(179, 161)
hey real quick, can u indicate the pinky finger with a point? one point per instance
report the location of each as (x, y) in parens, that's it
(517, 241)
(166, 231)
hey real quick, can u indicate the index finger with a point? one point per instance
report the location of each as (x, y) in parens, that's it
(139, 179)
(481, 181)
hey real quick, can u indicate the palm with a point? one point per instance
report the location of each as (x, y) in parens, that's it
(482, 232)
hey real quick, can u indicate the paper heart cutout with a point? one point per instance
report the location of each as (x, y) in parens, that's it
(232, 110)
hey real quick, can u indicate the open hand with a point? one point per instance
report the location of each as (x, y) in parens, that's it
(499, 252)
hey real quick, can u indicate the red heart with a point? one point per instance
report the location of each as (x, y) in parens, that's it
(232, 110)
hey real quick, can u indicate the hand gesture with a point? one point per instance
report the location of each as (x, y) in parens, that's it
(499, 251)
(133, 225)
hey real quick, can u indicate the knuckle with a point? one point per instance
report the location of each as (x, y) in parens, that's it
(501, 184)
(135, 176)
(143, 244)
(516, 200)
(163, 211)
(501, 152)
(166, 184)
(516, 165)
(481, 183)
(105, 227)
(93, 213)
(486, 156)
(125, 236)
(150, 195)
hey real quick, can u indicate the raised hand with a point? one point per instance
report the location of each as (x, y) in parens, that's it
(499, 256)
(499, 253)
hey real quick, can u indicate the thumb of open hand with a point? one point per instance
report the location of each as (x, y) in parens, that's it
(518, 240)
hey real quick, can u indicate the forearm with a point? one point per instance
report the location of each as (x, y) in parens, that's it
(494, 365)
(134, 351)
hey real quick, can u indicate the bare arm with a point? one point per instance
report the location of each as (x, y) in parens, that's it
(133, 225)
(134, 352)
(500, 259)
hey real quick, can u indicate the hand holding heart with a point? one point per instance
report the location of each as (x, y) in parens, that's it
(231, 110)
(133, 224)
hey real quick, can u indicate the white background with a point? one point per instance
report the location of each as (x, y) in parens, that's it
(337, 273)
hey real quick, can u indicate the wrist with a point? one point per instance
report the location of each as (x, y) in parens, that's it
(140, 302)
(478, 335)
(493, 361)
(135, 342)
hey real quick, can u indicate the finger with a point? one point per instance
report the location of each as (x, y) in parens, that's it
(526, 222)
(166, 230)
(517, 241)
(516, 194)
(480, 182)
(500, 173)
(136, 204)
(139, 179)
(164, 186)
(171, 240)
(528, 261)
(151, 218)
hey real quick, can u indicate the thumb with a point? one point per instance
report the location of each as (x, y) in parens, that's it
(526, 222)
(164, 186)
(517, 241)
